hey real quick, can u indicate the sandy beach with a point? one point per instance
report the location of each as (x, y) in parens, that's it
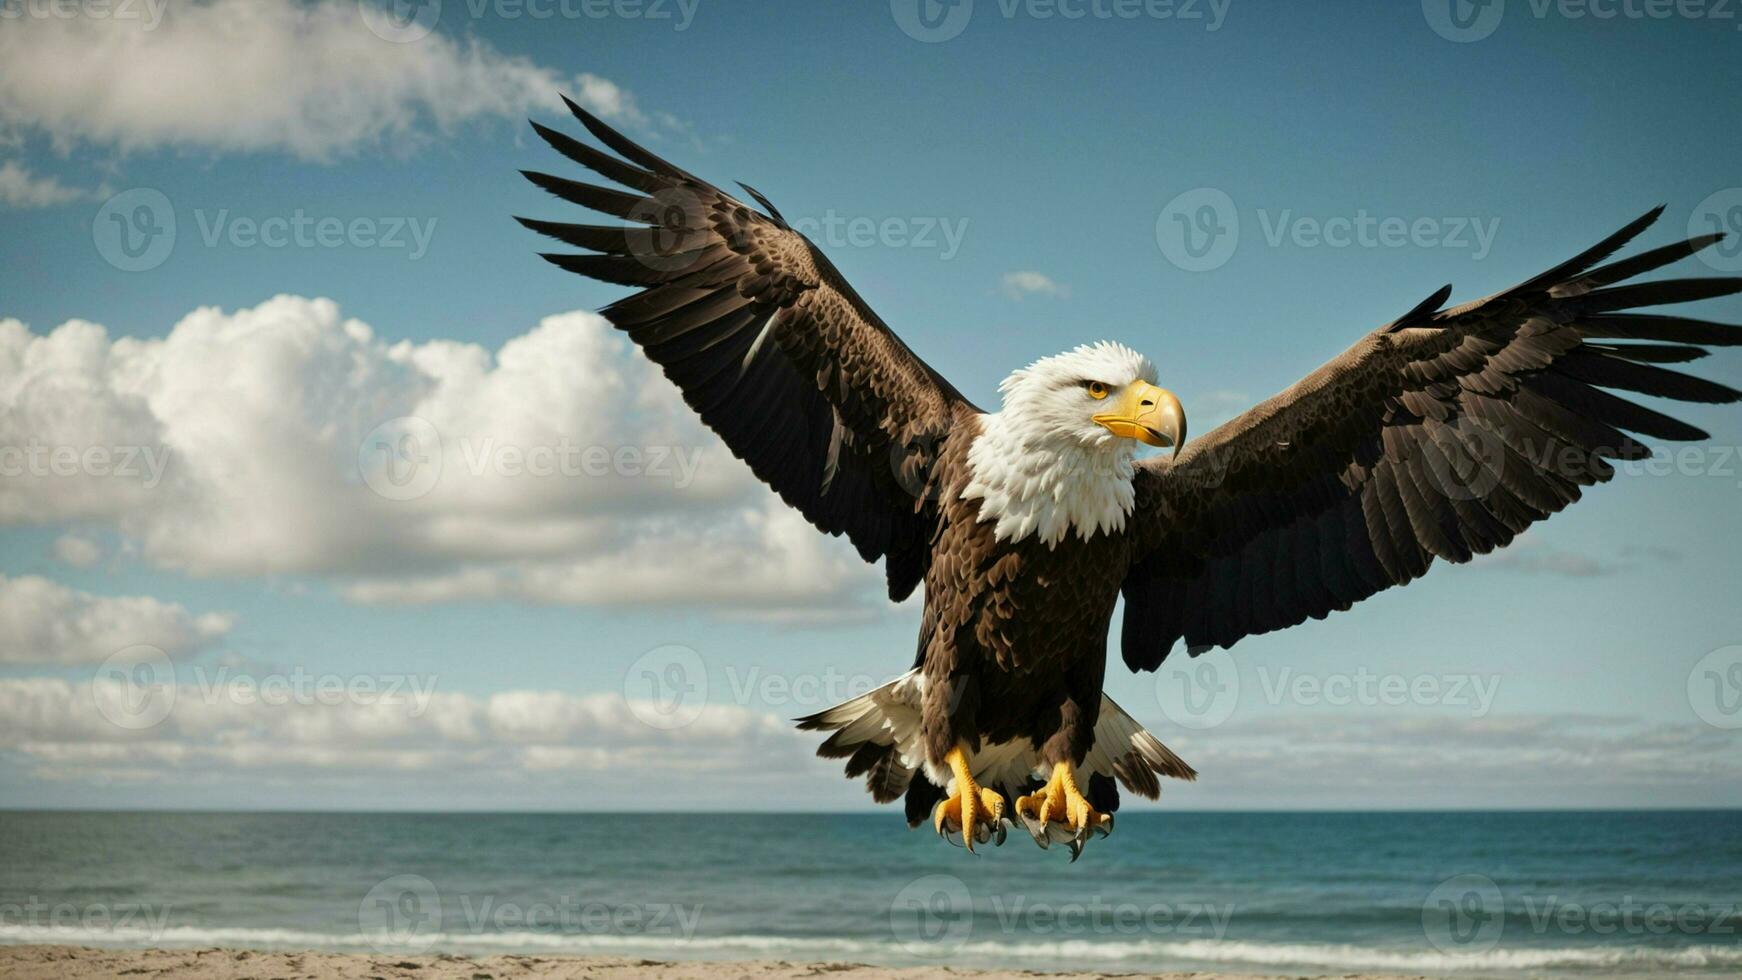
(84, 963)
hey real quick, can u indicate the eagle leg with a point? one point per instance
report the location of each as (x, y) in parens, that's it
(974, 812)
(1060, 812)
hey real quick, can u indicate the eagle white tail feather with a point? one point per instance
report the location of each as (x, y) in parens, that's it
(878, 732)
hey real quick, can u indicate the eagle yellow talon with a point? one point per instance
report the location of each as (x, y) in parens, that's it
(973, 811)
(1060, 812)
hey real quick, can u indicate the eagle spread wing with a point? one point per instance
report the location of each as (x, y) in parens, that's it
(768, 343)
(1441, 435)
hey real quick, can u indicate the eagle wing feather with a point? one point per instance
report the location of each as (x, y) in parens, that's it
(1442, 435)
(768, 343)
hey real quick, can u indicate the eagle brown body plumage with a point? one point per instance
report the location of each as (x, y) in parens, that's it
(1441, 435)
(1013, 640)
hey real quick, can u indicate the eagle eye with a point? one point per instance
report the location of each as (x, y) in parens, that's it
(1097, 390)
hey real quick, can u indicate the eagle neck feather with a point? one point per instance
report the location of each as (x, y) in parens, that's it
(1034, 482)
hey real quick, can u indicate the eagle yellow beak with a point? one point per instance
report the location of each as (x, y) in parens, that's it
(1148, 414)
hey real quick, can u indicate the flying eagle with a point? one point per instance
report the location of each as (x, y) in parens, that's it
(1442, 434)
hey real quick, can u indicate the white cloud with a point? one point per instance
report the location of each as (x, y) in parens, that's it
(46, 622)
(310, 79)
(286, 439)
(236, 730)
(77, 551)
(19, 188)
(1018, 285)
(1411, 759)
(231, 726)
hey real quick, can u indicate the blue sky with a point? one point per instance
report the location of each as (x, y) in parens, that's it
(999, 195)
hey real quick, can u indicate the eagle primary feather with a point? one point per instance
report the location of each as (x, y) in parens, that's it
(1441, 435)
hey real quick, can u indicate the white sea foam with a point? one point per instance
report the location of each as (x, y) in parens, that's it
(1632, 959)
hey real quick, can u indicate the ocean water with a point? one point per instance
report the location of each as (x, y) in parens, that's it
(1448, 894)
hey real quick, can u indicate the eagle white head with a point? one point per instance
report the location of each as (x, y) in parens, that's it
(1059, 454)
(1097, 395)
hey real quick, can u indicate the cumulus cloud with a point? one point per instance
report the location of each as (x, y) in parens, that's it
(287, 439)
(19, 188)
(44, 622)
(1413, 759)
(79, 552)
(242, 730)
(1019, 285)
(225, 725)
(311, 79)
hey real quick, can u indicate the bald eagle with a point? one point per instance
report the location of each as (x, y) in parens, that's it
(1441, 435)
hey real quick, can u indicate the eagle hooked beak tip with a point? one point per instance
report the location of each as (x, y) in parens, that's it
(1151, 415)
